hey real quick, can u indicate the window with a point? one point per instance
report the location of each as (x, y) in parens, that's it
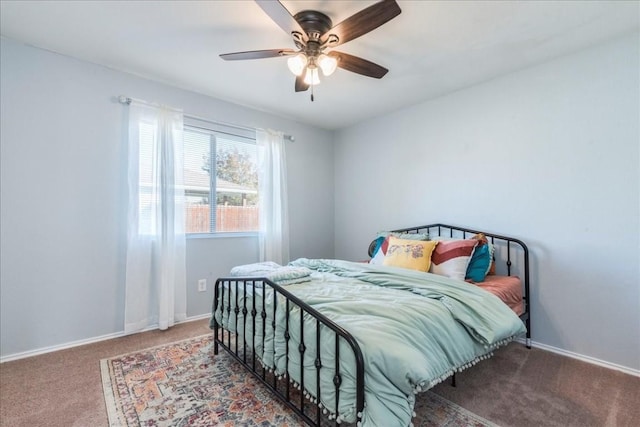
(220, 179)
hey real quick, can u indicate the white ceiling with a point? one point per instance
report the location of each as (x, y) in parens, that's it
(431, 48)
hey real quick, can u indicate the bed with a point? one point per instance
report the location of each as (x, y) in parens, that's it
(354, 342)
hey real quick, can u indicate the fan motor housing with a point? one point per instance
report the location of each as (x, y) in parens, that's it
(314, 23)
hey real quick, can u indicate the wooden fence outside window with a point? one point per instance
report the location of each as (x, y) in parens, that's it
(228, 218)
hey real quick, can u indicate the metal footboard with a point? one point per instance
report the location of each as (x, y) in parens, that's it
(234, 339)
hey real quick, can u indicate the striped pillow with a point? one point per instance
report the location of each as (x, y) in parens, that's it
(451, 258)
(380, 250)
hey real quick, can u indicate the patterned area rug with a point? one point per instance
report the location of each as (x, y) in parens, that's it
(184, 384)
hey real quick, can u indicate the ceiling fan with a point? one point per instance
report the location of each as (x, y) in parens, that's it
(315, 36)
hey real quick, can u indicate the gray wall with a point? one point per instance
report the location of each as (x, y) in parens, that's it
(548, 154)
(63, 194)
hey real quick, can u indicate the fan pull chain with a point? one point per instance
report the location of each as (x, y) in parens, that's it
(312, 92)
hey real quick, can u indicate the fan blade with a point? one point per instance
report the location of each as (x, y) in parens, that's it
(301, 86)
(256, 54)
(364, 21)
(281, 16)
(358, 65)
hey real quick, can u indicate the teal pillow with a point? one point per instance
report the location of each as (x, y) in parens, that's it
(374, 247)
(479, 263)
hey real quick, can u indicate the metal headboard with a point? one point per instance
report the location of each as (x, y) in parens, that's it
(511, 249)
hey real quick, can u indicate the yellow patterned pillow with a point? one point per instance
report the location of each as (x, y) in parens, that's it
(413, 254)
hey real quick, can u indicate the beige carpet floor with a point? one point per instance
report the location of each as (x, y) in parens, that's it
(517, 387)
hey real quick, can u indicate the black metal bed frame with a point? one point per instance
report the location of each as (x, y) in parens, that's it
(281, 385)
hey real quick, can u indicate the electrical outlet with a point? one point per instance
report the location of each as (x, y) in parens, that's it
(202, 285)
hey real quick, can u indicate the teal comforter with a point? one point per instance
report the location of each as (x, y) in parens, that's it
(414, 329)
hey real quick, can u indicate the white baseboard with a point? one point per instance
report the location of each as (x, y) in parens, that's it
(588, 359)
(71, 344)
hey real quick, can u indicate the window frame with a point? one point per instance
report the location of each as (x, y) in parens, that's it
(241, 135)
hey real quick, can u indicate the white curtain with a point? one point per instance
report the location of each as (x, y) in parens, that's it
(273, 205)
(155, 273)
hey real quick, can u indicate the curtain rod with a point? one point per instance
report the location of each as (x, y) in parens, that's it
(125, 100)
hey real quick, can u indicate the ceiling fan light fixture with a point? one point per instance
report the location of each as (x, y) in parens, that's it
(313, 33)
(297, 64)
(312, 78)
(327, 64)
